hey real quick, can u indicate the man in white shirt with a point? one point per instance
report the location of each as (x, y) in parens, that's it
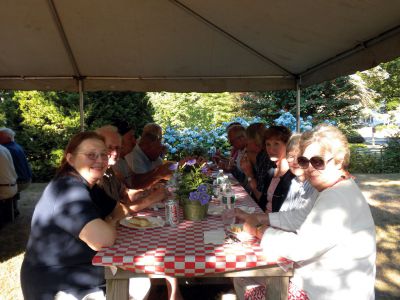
(146, 162)
(8, 182)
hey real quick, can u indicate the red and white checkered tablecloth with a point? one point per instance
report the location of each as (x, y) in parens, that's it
(180, 251)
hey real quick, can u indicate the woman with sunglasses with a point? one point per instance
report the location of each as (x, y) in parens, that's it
(334, 250)
(73, 219)
(299, 200)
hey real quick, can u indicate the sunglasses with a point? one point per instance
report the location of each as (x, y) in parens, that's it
(317, 162)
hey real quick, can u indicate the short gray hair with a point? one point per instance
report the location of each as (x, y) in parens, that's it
(8, 131)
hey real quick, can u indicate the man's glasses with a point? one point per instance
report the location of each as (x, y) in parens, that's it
(317, 162)
(94, 156)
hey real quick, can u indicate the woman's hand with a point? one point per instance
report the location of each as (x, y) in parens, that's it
(241, 215)
(250, 225)
(159, 193)
(246, 166)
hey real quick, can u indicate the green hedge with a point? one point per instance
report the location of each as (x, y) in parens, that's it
(385, 160)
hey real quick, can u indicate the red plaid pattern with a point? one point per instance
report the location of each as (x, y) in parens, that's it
(180, 251)
(258, 293)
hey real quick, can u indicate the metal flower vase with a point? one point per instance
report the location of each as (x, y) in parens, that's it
(194, 211)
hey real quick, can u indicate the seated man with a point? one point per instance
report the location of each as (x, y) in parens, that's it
(145, 161)
(121, 167)
(237, 138)
(136, 200)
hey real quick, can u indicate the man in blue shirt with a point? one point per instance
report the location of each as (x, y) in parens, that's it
(21, 165)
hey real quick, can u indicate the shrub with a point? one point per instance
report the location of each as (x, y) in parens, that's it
(364, 161)
(354, 137)
(391, 156)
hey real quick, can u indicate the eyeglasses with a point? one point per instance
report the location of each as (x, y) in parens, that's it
(94, 156)
(316, 161)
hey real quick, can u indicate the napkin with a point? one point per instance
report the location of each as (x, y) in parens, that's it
(247, 209)
(215, 237)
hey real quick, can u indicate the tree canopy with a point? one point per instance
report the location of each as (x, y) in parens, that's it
(385, 81)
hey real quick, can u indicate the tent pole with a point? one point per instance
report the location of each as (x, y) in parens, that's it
(80, 82)
(298, 82)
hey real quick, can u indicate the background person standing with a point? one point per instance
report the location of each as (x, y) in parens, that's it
(21, 165)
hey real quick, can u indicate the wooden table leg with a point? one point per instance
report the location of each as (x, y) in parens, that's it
(277, 288)
(117, 289)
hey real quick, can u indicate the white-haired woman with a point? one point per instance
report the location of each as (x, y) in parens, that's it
(334, 250)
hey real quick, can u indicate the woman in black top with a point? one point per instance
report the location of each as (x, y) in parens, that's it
(270, 176)
(73, 219)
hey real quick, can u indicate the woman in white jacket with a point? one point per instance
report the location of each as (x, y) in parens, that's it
(334, 250)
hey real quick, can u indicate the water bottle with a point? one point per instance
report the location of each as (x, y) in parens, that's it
(228, 197)
(220, 176)
(228, 200)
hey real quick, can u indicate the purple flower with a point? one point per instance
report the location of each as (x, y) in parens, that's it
(194, 196)
(173, 167)
(191, 162)
(204, 170)
(204, 198)
(202, 188)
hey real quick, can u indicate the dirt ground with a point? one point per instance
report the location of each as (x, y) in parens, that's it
(382, 192)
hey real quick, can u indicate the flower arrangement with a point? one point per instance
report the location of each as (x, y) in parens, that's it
(200, 195)
(193, 182)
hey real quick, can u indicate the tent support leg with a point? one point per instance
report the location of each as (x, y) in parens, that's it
(298, 94)
(81, 105)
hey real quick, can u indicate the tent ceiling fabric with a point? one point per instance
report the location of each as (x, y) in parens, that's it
(191, 45)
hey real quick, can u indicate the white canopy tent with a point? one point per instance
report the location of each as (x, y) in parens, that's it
(188, 45)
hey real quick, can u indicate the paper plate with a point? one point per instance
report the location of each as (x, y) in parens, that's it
(154, 222)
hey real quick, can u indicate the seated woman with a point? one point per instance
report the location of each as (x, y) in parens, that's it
(256, 163)
(73, 219)
(299, 200)
(334, 250)
(275, 189)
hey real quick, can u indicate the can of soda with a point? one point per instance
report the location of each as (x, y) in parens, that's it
(172, 212)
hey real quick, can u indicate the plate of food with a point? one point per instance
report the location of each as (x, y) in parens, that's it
(142, 222)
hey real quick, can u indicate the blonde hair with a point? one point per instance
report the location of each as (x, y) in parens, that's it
(293, 143)
(331, 139)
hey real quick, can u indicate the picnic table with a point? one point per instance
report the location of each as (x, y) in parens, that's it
(181, 252)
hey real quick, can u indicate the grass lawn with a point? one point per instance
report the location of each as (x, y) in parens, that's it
(382, 192)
